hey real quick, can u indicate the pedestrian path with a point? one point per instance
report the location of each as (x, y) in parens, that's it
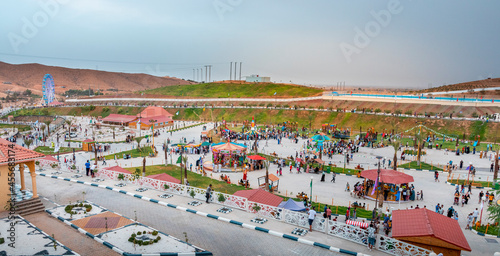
(238, 218)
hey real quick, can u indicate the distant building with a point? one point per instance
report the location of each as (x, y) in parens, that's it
(258, 79)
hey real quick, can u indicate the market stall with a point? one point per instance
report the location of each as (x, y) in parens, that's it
(387, 182)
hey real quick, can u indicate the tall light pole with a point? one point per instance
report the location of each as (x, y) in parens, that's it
(376, 187)
(311, 185)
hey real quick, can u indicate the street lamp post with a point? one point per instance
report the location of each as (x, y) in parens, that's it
(376, 187)
(310, 199)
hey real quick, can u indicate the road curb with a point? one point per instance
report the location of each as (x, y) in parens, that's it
(211, 216)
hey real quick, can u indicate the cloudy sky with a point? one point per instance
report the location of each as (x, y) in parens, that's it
(364, 43)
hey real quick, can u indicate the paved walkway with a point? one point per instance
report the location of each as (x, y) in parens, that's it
(74, 240)
(219, 237)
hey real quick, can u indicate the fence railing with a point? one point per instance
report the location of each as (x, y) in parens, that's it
(333, 228)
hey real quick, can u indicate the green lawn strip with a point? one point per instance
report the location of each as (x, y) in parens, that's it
(195, 180)
(464, 182)
(325, 167)
(50, 151)
(423, 166)
(136, 152)
(338, 210)
(450, 145)
(231, 90)
(492, 230)
(20, 127)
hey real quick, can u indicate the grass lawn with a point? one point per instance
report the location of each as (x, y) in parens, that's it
(492, 230)
(216, 90)
(450, 145)
(423, 166)
(20, 127)
(337, 210)
(50, 151)
(464, 182)
(137, 152)
(195, 180)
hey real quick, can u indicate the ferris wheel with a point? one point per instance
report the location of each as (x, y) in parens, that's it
(48, 89)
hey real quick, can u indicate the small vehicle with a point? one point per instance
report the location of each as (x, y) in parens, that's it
(72, 135)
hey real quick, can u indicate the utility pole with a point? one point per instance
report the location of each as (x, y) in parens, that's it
(240, 70)
(235, 63)
(209, 73)
(193, 75)
(231, 70)
(206, 73)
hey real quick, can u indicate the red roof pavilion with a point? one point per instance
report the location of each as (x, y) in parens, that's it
(117, 168)
(430, 230)
(164, 177)
(260, 196)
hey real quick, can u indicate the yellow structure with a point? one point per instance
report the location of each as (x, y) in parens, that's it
(88, 145)
(12, 156)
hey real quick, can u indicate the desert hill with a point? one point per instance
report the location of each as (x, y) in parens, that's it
(29, 76)
(490, 82)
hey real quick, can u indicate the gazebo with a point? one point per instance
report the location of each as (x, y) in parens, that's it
(11, 155)
(228, 154)
(387, 179)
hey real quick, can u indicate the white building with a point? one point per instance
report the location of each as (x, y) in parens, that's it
(258, 79)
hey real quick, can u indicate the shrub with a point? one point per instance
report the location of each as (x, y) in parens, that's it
(131, 239)
(378, 110)
(192, 193)
(165, 186)
(398, 111)
(37, 162)
(221, 198)
(475, 115)
(133, 235)
(387, 111)
(2, 240)
(159, 238)
(408, 112)
(155, 233)
(121, 176)
(139, 233)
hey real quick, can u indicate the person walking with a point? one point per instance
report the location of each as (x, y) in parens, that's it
(87, 167)
(208, 193)
(371, 236)
(333, 177)
(329, 213)
(480, 196)
(312, 215)
(475, 214)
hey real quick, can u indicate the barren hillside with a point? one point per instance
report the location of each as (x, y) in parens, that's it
(490, 82)
(29, 76)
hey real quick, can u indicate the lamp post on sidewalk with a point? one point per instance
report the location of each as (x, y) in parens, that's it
(310, 199)
(376, 187)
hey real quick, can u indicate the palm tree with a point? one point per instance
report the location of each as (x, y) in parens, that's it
(138, 140)
(28, 142)
(395, 144)
(419, 137)
(47, 123)
(68, 123)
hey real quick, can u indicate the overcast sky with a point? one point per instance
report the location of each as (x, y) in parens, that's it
(364, 43)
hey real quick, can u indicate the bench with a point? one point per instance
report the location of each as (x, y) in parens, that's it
(477, 184)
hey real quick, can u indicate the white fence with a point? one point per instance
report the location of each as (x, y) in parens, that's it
(386, 244)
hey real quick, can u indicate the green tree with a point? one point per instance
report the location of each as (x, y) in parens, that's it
(395, 144)
(138, 140)
(28, 142)
(419, 137)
